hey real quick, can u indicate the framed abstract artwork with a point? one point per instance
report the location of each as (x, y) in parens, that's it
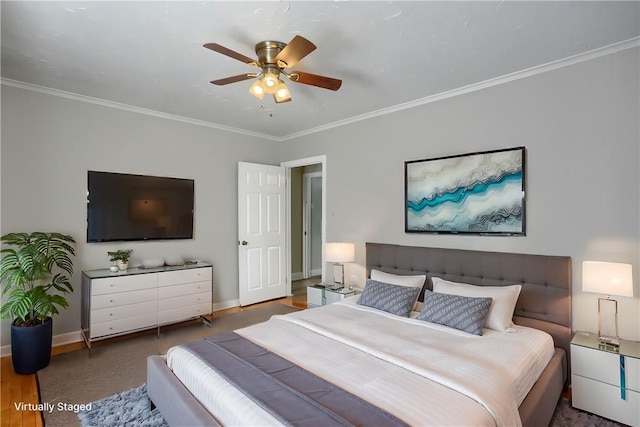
(476, 193)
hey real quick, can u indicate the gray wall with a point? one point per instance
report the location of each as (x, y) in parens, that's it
(49, 143)
(580, 125)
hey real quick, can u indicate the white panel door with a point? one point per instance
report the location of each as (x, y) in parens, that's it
(261, 232)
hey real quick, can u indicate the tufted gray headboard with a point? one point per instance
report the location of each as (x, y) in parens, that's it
(545, 299)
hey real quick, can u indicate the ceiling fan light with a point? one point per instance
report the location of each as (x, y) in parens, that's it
(270, 82)
(282, 93)
(257, 90)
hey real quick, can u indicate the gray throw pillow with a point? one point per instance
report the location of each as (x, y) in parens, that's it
(464, 313)
(393, 299)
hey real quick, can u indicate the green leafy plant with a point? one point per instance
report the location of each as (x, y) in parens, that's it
(120, 255)
(35, 272)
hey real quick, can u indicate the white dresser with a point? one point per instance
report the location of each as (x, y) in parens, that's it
(604, 380)
(128, 301)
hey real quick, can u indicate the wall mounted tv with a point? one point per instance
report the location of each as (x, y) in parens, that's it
(124, 207)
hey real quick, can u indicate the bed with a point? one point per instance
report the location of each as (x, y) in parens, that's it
(341, 346)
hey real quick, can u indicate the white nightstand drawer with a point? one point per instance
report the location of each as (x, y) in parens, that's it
(185, 289)
(123, 298)
(314, 296)
(604, 366)
(123, 311)
(123, 325)
(322, 296)
(183, 313)
(171, 278)
(604, 399)
(331, 297)
(110, 285)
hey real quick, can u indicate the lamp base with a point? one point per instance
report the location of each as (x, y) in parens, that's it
(610, 341)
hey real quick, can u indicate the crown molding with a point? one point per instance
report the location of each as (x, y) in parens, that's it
(529, 72)
(131, 108)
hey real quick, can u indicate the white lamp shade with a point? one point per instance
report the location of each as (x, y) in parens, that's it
(609, 278)
(339, 252)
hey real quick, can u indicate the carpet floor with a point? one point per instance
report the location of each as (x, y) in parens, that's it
(78, 378)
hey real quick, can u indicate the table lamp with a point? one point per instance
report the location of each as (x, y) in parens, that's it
(338, 253)
(607, 278)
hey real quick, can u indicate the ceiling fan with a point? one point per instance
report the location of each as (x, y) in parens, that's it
(273, 60)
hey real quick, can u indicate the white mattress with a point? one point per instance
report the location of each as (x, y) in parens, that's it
(425, 374)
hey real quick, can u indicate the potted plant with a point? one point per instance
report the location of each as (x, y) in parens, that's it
(121, 257)
(35, 271)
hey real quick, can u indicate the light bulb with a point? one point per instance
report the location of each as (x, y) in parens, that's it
(282, 93)
(257, 90)
(270, 82)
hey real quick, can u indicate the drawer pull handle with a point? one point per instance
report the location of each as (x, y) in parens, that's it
(623, 382)
(110, 300)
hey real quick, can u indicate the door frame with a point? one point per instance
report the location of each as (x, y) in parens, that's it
(322, 159)
(307, 270)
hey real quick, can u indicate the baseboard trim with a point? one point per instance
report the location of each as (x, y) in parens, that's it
(226, 304)
(297, 276)
(57, 340)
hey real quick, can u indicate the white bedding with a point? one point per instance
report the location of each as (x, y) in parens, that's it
(425, 374)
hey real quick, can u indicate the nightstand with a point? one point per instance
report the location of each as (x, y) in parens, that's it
(318, 295)
(606, 380)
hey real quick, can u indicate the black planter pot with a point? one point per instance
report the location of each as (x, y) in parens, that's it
(31, 347)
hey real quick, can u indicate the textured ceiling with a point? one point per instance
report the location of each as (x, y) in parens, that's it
(149, 54)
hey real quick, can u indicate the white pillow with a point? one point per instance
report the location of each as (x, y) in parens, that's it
(500, 315)
(416, 281)
(393, 279)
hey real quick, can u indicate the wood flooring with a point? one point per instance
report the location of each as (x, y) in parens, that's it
(17, 389)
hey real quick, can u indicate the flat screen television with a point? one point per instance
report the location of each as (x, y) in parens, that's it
(125, 207)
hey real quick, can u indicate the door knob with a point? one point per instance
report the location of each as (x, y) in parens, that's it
(245, 243)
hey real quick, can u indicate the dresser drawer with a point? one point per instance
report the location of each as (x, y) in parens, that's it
(123, 298)
(123, 311)
(183, 313)
(185, 289)
(110, 285)
(604, 367)
(128, 324)
(185, 301)
(171, 278)
(604, 399)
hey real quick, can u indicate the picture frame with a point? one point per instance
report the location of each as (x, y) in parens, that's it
(480, 193)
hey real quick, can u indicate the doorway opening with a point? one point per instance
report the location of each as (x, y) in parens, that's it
(306, 222)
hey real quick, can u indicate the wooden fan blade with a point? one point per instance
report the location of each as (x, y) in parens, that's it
(315, 80)
(233, 79)
(298, 48)
(230, 53)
